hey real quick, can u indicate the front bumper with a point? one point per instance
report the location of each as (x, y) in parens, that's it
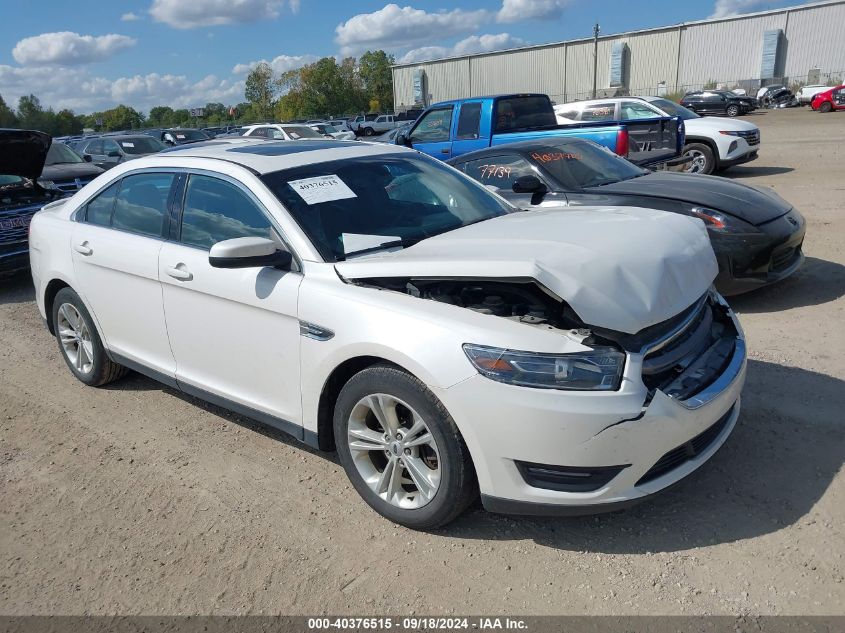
(748, 262)
(506, 426)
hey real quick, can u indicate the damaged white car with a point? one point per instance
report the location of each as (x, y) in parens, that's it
(370, 299)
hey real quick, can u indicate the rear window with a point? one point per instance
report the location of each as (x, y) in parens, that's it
(140, 145)
(297, 132)
(580, 164)
(517, 113)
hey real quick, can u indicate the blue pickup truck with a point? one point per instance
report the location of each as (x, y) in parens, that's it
(452, 128)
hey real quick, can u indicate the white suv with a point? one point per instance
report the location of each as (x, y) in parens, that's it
(373, 299)
(712, 143)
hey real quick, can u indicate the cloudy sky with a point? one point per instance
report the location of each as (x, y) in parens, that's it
(89, 54)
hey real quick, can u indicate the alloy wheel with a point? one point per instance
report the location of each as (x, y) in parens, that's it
(75, 336)
(698, 165)
(394, 451)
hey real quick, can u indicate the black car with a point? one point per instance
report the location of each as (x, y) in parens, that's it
(718, 102)
(22, 156)
(66, 170)
(177, 136)
(756, 235)
(108, 151)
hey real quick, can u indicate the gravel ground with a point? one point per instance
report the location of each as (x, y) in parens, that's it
(135, 499)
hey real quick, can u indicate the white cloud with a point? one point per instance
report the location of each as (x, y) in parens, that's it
(727, 8)
(467, 46)
(279, 64)
(129, 17)
(77, 89)
(398, 27)
(189, 14)
(519, 10)
(65, 48)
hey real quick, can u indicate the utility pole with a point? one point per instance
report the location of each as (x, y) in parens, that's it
(596, 31)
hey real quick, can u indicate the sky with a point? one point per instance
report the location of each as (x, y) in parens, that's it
(90, 55)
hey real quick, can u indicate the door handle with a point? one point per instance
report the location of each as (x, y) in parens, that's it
(180, 273)
(444, 150)
(83, 249)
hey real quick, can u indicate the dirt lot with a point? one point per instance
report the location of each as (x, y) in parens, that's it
(135, 499)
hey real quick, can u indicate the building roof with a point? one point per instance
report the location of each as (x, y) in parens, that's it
(743, 16)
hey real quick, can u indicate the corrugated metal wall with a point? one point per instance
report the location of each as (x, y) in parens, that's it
(684, 56)
(814, 39)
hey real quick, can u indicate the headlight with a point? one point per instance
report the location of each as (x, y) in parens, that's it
(729, 133)
(599, 369)
(721, 222)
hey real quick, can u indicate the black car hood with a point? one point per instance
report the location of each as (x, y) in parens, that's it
(23, 152)
(69, 171)
(751, 204)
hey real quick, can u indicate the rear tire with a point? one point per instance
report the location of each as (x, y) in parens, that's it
(368, 131)
(386, 423)
(732, 111)
(827, 106)
(703, 159)
(80, 343)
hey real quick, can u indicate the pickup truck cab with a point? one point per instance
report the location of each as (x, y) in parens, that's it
(452, 128)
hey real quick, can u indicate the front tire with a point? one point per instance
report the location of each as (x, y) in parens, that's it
(401, 449)
(732, 111)
(80, 343)
(703, 159)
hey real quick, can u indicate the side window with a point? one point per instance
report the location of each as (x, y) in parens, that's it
(433, 127)
(95, 147)
(98, 210)
(110, 146)
(141, 205)
(634, 110)
(271, 132)
(599, 112)
(216, 210)
(469, 121)
(499, 171)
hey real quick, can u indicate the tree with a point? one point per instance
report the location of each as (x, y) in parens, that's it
(7, 115)
(30, 113)
(66, 123)
(122, 118)
(374, 68)
(260, 89)
(160, 116)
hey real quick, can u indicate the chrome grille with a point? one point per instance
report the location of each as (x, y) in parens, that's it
(751, 137)
(14, 223)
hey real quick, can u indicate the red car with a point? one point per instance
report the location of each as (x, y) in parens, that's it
(833, 99)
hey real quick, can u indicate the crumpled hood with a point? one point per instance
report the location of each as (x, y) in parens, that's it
(619, 268)
(23, 152)
(722, 194)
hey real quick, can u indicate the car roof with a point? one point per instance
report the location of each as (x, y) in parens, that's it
(262, 156)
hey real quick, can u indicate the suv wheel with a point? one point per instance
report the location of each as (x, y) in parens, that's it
(368, 131)
(733, 110)
(703, 161)
(401, 449)
(79, 342)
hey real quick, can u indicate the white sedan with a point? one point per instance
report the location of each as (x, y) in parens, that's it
(368, 298)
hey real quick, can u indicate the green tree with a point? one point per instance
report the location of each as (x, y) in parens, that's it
(66, 123)
(7, 115)
(122, 118)
(31, 115)
(260, 89)
(377, 77)
(160, 116)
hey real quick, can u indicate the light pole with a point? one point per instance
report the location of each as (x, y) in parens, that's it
(596, 31)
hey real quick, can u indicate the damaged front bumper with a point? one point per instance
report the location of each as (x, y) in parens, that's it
(553, 452)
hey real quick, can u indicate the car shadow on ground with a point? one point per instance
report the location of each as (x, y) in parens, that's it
(16, 288)
(787, 448)
(817, 281)
(755, 172)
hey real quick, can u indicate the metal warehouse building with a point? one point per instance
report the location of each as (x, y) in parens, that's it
(800, 44)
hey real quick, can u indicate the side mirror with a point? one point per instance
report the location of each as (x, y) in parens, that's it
(529, 184)
(87, 158)
(113, 154)
(402, 139)
(249, 252)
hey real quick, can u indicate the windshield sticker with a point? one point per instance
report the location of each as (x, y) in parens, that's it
(321, 189)
(125, 144)
(293, 135)
(180, 136)
(551, 157)
(495, 171)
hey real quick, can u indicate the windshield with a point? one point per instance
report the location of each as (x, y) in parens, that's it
(61, 154)
(582, 164)
(189, 135)
(141, 145)
(674, 109)
(367, 203)
(9, 179)
(297, 132)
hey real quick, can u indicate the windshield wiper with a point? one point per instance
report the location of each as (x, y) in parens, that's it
(404, 243)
